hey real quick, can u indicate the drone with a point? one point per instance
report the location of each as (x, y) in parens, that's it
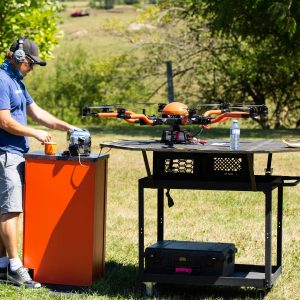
(177, 114)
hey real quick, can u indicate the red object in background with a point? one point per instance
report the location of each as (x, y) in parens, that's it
(79, 13)
(64, 220)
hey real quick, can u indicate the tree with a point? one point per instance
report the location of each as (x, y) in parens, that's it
(77, 81)
(106, 4)
(259, 19)
(34, 19)
(272, 29)
(238, 51)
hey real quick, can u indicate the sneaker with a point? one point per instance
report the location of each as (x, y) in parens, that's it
(22, 277)
(3, 273)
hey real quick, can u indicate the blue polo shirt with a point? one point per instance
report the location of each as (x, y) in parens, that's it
(14, 97)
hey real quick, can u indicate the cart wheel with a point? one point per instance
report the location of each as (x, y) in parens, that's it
(150, 290)
(260, 294)
(155, 291)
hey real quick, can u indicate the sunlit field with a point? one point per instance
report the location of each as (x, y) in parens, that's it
(197, 216)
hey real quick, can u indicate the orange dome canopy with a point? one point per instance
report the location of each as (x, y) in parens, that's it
(175, 108)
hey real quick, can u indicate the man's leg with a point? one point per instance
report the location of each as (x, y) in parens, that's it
(3, 261)
(9, 233)
(11, 184)
(2, 249)
(3, 195)
(17, 274)
(9, 242)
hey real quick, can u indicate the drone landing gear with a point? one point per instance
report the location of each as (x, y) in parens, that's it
(178, 136)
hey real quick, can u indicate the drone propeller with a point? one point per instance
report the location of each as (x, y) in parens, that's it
(221, 104)
(241, 107)
(87, 111)
(254, 110)
(209, 105)
(247, 105)
(102, 106)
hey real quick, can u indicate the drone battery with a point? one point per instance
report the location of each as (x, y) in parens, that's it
(175, 136)
(193, 258)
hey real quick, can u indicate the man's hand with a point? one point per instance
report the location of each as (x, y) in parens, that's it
(42, 136)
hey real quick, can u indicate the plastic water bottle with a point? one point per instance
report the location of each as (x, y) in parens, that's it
(235, 136)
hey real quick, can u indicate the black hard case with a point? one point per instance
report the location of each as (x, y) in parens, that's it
(195, 258)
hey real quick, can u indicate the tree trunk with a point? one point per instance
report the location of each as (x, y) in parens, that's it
(258, 99)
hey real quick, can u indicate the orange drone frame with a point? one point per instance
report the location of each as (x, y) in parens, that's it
(177, 114)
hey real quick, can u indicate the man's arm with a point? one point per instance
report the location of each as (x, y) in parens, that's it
(9, 124)
(44, 118)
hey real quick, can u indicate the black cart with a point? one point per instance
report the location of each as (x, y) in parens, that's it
(212, 167)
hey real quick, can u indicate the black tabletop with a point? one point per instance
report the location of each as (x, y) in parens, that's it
(42, 156)
(212, 146)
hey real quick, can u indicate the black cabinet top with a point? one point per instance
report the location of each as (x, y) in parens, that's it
(59, 156)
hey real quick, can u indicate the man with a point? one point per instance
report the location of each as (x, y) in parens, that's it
(15, 104)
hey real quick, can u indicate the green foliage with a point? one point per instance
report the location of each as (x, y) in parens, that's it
(36, 20)
(256, 18)
(130, 2)
(78, 82)
(106, 4)
(239, 52)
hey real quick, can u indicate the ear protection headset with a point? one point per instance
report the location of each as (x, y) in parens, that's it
(19, 54)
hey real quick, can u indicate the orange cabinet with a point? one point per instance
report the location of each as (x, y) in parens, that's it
(64, 218)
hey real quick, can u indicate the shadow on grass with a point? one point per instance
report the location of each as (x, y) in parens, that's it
(121, 281)
(213, 133)
(205, 292)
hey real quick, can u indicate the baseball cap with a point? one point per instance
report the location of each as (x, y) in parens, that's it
(30, 49)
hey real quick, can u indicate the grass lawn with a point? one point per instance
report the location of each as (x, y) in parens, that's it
(197, 216)
(89, 32)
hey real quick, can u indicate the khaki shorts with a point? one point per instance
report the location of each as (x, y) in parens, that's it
(11, 182)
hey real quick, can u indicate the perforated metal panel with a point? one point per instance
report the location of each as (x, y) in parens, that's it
(179, 166)
(167, 165)
(227, 164)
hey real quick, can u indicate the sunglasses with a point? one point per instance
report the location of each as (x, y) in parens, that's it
(30, 62)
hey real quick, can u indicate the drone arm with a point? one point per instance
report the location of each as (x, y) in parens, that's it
(228, 115)
(128, 116)
(216, 112)
(140, 117)
(105, 115)
(131, 121)
(213, 112)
